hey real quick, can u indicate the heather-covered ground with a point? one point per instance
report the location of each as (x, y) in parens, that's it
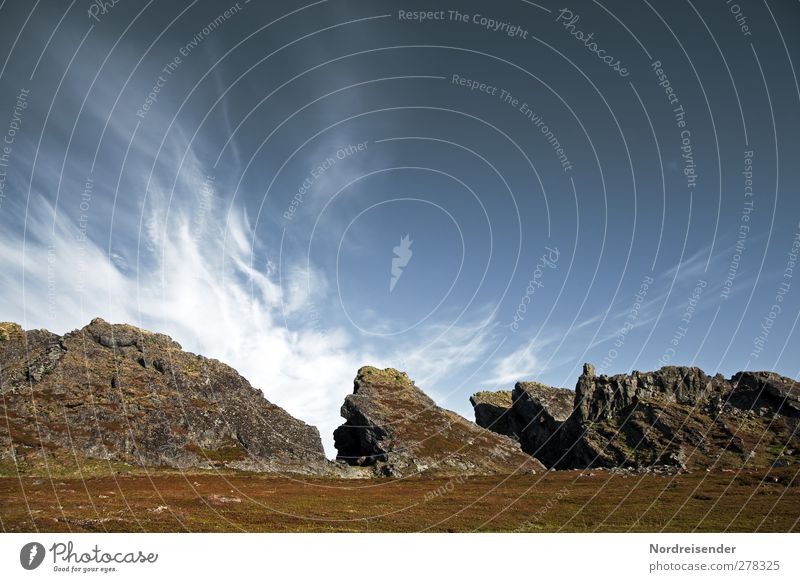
(752, 500)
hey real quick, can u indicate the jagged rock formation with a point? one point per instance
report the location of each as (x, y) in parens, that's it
(118, 395)
(538, 412)
(598, 399)
(530, 414)
(492, 411)
(765, 392)
(395, 429)
(121, 394)
(675, 416)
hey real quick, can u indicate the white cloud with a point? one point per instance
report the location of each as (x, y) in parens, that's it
(692, 267)
(198, 287)
(520, 364)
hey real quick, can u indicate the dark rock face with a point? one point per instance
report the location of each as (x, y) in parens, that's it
(122, 394)
(531, 414)
(538, 414)
(675, 416)
(395, 429)
(767, 393)
(492, 411)
(599, 398)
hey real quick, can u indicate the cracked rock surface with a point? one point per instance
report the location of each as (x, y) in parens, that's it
(396, 429)
(675, 416)
(117, 393)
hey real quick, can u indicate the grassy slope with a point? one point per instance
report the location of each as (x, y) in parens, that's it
(769, 500)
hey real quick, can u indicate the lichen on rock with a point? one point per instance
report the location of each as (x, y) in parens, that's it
(396, 429)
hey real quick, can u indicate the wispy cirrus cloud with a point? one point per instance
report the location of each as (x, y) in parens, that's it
(199, 286)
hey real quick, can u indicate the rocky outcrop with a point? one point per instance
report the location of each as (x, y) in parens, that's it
(117, 396)
(538, 413)
(531, 414)
(394, 429)
(676, 416)
(600, 398)
(492, 411)
(124, 395)
(767, 393)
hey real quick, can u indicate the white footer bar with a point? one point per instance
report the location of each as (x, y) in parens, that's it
(398, 557)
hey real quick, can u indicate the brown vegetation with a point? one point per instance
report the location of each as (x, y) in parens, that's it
(581, 501)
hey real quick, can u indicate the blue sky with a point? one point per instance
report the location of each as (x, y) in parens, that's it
(240, 181)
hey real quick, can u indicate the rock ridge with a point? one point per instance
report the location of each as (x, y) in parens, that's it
(120, 394)
(393, 428)
(676, 416)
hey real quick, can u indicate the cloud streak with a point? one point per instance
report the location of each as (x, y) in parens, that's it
(197, 286)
